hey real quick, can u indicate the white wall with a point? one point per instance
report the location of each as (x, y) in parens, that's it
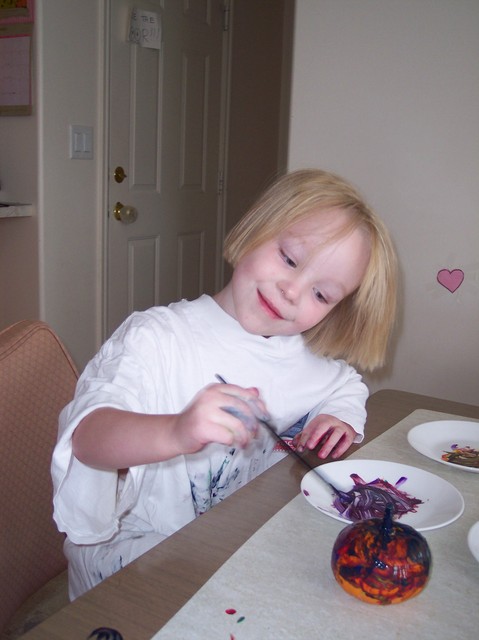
(68, 55)
(386, 93)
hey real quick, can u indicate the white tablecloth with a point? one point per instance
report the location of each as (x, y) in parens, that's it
(281, 587)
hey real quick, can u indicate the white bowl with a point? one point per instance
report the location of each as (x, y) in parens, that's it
(441, 501)
(433, 439)
(473, 540)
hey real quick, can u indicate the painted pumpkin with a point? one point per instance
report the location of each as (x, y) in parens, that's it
(380, 561)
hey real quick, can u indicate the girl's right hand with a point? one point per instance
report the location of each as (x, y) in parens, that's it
(222, 413)
(110, 438)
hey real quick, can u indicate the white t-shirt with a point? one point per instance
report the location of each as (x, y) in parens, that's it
(155, 363)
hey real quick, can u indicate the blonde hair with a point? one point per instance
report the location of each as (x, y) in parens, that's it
(358, 328)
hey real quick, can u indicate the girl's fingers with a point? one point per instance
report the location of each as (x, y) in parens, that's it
(239, 422)
(249, 421)
(251, 398)
(317, 438)
(329, 444)
(342, 446)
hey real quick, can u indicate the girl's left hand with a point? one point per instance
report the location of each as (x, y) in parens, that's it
(334, 435)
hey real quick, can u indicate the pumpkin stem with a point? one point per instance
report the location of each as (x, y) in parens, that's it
(386, 525)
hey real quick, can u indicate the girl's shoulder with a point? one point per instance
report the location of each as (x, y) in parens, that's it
(161, 317)
(158, 330)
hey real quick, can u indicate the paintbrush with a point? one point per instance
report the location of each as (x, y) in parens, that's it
(341, 494)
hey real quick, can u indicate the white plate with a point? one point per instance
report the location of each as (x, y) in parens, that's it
(433, 439)
(473, 540)
(442, 503)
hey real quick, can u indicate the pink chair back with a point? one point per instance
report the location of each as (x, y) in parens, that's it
(37, 379)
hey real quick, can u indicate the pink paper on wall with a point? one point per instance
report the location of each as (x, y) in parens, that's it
(16, 29)
(16, 11)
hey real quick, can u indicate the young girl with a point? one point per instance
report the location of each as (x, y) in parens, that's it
(152, 440)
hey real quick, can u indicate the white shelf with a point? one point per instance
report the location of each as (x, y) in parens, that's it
(15, 210)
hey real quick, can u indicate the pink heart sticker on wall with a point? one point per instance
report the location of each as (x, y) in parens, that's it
(452, 280)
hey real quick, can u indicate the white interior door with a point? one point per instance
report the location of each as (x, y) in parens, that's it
(165, 118)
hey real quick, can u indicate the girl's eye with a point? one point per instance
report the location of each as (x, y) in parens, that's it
(320, 296)
(287, 259)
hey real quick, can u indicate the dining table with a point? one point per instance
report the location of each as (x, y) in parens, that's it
(257, 565)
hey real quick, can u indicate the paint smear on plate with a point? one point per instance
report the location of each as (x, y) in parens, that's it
(370, 499)
(464, 456)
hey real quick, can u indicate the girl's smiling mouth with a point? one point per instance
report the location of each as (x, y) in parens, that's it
(269, 308)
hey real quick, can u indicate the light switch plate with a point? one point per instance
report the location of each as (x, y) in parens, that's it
(81, 142)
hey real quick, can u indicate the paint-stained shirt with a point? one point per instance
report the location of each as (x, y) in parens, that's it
(155, 363)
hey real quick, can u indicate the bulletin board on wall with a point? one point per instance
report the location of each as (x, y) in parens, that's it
(16, 31)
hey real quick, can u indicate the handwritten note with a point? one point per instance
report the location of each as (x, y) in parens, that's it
(145, 29)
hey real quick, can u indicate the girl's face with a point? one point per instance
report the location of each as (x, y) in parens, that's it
(290, 283)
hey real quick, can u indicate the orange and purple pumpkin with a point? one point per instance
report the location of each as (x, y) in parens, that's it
(381, 561)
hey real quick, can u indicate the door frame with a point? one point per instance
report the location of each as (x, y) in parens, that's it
(103, 128)
(103, 168)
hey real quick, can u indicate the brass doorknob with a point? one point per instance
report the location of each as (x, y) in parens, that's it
(124, 213)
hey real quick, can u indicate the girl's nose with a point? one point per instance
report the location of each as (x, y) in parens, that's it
(289, 290)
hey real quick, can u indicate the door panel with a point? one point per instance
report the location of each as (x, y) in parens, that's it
(145, 111)
(143, 271)
(165, 131)
(194, 111)
(190, 251)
